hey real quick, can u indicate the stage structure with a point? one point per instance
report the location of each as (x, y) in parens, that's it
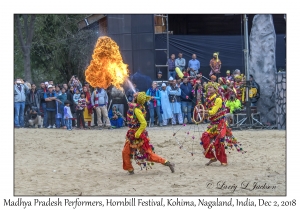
(147, 40)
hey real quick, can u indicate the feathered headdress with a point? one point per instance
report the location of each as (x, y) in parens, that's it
(212, 84)
(238, 77)
(142, 98)
(217, 54)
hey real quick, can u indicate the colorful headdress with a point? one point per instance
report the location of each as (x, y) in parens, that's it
(217, 54)
(212, 84)
(228, 71)
(142, 98)
(223, 80)
(238, 77)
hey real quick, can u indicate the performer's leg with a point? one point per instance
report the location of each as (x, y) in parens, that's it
(157, 159)
(207, 148)
(126, 158)
(220, 153)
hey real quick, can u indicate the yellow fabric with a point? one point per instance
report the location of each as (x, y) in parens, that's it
(139, 114)
(86, 115)
(217, 106)
(179, 73)
(142, 98)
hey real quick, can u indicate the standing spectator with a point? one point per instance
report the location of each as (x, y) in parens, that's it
(42, 91)
(130, 92)
(170, 82)
(65, 85)
(171, 66)
(76, 97)
(254, 93)
(68, 115)
(215, 65)
(194, 65)
(186, 100)
(180, 62)
(79, 111)
(46, 85)
(34, 105)
(154, 103)
(50, 98)
(236, 72)
(99, 101)
(165, 104)
(19, 102)
(51, 83)
(159, 75)
(78, 82)
(59, 112)
(178, 82)
(70, 95)
(62, 98)
(174, 93)
(88, 110)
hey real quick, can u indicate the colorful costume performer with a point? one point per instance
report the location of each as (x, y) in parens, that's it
(215, 64)
(218, 136)
(137, 145)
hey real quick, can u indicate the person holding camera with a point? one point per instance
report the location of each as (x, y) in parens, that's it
(234, 106)
(19, 102)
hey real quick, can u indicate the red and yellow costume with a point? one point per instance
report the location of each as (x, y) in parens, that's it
(218, 136)
(137, 145)
(238, 85)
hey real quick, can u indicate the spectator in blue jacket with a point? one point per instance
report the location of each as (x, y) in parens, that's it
(19, 102)
(186, 99)
(154, 103)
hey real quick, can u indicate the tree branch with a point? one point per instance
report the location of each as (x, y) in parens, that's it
(19, 34)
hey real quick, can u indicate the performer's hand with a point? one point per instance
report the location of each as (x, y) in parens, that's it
(187, 97)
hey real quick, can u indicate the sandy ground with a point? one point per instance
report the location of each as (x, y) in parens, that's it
(89, 162)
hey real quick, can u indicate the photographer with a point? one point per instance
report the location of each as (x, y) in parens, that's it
(74, 81)
(19, 102)
(234, 105)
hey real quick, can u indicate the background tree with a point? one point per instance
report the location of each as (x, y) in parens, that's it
(24, 31)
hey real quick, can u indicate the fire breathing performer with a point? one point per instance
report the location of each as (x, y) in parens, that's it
(137, 145)
(218, 136)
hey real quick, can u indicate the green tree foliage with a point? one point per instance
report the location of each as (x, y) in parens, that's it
(59, 50)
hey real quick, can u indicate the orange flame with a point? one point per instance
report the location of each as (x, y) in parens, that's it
(107, 67)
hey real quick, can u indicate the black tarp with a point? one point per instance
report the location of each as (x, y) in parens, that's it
(230, 49)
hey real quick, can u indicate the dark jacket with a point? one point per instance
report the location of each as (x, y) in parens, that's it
(70, 99)
(186, 90)
(50, 105)
(130, 93)
(41, 93)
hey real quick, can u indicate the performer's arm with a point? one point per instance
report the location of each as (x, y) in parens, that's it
(138, 113)
(216, 107)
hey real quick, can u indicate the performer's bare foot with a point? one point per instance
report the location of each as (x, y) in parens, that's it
(131, 172)
(211, 161)
(223, 164)
(171, 166)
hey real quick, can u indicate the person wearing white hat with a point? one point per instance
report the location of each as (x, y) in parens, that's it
(174, 93)
(165, 104)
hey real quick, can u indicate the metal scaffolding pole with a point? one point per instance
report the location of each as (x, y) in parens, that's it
(246, 54)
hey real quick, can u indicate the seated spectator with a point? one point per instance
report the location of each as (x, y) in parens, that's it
(33, 98)
(234, 106)
(254, 92)
(115, 117)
